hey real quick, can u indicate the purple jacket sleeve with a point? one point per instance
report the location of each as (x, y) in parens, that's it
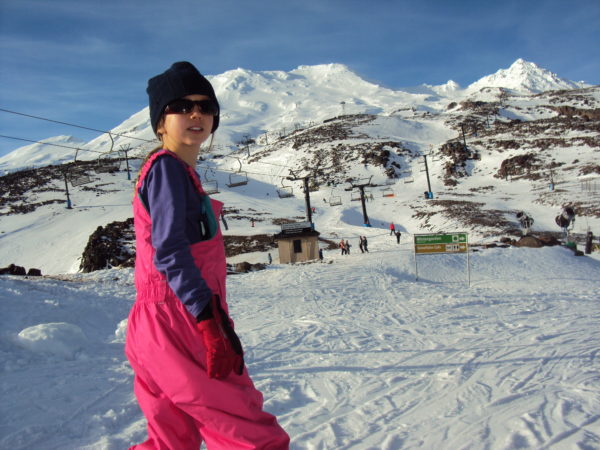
(174, 206)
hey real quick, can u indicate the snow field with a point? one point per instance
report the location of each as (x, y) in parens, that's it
(349, 353)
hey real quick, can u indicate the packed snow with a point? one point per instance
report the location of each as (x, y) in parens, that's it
(378, 350)
(351, 352)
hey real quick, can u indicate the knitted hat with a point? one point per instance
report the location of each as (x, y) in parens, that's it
(181, 79)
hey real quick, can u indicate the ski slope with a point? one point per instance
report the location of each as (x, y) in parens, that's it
(350, 353)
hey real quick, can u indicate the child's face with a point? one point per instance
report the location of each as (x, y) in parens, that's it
(186, 130)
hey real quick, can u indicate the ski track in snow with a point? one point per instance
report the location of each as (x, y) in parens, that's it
(352, 354)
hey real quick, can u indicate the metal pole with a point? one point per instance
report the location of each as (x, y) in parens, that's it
(364, 206)
(67, 191)
(427, 173)
(415, 253)
(307, 199)
(127, 164)
(468, 263)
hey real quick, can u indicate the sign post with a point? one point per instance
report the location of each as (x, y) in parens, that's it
(444, 243)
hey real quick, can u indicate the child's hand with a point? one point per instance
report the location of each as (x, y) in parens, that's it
(220, 357)
(224, 351)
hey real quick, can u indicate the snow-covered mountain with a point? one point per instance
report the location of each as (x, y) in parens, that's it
(54, 150)
(524, 76)
(257, 102)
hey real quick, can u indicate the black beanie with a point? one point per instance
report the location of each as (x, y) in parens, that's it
(181, 79)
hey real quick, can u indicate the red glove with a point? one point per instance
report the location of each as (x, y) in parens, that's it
(223, 348)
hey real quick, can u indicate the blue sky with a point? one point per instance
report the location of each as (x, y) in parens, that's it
(87, 62)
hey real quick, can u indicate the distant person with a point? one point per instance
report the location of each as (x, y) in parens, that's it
(392, 228)
(365, 244)
(270, 258)
(343, 247)
(347, 247)
(398, 234)
(190, 379)
(360, 244)
(321, 254)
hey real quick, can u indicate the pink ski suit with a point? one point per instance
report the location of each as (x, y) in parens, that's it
(182, 405)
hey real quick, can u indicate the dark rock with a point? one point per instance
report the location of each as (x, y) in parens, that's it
(244, 267)
(529, 241)
(13, 270)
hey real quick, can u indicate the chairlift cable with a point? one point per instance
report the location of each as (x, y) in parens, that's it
(72, 125)
(48, 143)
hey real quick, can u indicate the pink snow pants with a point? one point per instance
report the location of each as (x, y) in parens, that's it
(182, 405)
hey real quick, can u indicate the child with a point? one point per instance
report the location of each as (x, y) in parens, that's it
(190, 379)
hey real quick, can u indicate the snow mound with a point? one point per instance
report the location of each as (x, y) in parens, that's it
(57, 339)
(120, 332)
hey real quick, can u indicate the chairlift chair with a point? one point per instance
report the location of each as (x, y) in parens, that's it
(210, 186)
(355, 196)
(107, 165)
(237, 179)
(408, 176)
(285, 192)
(387, 192)
(79, 178)
(335, 200)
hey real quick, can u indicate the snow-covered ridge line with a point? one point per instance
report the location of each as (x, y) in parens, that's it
(256, 102)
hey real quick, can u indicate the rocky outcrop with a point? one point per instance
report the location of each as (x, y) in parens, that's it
(110, 246)
(13, 269)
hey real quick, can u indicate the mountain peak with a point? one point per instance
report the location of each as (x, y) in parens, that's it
(525, 76)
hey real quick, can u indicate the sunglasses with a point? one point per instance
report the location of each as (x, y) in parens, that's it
(185, 106)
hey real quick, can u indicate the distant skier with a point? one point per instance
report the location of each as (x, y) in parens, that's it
(347, 247)
(343, 247)
(364, 243)
(360, 244)
(392, 228)
(398, 234)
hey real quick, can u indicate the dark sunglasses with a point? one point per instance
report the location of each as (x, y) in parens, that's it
(185, 106)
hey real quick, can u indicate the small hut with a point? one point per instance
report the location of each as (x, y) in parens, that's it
(297, 242)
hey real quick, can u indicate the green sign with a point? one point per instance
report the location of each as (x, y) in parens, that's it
(448, 238)
(441, 243)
